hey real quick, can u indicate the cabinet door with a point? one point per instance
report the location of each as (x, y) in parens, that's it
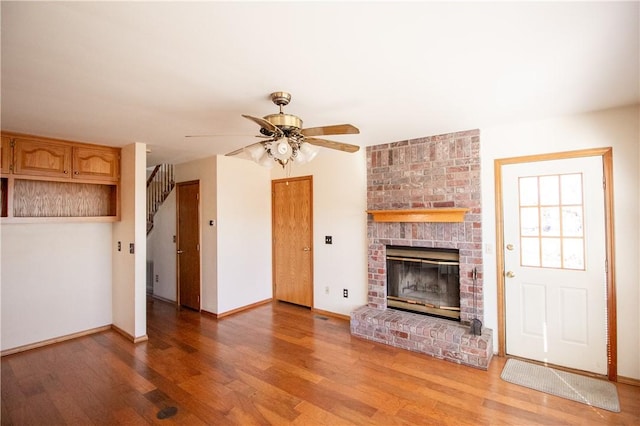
(41, 158)
(96, 163)
(6, 154)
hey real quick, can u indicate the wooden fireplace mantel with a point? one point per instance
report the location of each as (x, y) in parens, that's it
(414, 215)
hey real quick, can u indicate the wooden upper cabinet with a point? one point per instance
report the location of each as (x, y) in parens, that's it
(6, 154)
(96, 163)
(45, 179)
(67, 160)
(42, 158)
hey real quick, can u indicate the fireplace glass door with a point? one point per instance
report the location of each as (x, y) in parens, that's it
(425, 281)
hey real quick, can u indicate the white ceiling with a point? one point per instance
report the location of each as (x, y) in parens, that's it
(120, 72)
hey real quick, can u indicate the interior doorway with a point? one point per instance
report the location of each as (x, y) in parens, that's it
(292, 227)
(188, 244)
(556, 293)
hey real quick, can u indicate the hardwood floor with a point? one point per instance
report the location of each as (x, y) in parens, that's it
(274, 364)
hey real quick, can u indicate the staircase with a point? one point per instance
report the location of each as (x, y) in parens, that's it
(159, 185)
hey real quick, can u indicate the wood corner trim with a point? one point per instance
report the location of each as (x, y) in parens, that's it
(141, 339)
(128, 336)
(47, 342)
(419, 215)
(235, 311)
(331, 314)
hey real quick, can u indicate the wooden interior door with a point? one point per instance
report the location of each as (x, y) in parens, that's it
(293, 240)
(188, 244)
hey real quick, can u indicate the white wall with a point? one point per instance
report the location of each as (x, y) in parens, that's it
(236, 251)
(140, 232)
(161, 249)
(339, 210)
(204, 171)
(619, 129)
(129, 270)
(56, 280)
(244, 234)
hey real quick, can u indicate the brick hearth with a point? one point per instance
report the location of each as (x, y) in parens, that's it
(432, 172)
(420, 333)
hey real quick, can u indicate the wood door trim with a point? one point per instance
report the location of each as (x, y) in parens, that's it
(273, 226)
(607, 164)
(177, 186)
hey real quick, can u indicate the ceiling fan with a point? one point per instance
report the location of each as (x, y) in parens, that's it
(286, 140)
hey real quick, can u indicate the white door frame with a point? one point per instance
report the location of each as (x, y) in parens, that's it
(607, 162)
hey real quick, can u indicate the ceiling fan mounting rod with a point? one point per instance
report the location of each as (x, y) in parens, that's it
(281, 99)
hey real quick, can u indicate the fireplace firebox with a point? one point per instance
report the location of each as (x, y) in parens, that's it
(424, 280)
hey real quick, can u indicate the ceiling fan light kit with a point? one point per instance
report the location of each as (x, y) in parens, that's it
(306, 153)
(287, 140)
(258, 153)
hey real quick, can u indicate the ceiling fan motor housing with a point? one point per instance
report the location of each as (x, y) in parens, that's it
(286, 122)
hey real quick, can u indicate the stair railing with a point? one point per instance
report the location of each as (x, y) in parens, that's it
(159, 185)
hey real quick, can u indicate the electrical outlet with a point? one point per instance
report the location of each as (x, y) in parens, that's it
(119, 245)
(328, 239)
(345, 292)
(157, 278)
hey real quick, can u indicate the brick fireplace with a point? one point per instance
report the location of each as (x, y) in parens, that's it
(433, 174)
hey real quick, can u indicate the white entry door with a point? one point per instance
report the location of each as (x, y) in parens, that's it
(555, 260)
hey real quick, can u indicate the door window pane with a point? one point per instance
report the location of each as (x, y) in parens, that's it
(552, 221)
(572, 221)
(529, 221)
(551, 253)
(571, 188)
(529, 191)
(550, 218)
(549, 190)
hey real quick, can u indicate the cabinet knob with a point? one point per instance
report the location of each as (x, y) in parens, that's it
(76, 173)
(66, 171)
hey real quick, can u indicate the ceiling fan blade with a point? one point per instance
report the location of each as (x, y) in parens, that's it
(337, 129)
(243, 149)
(263, 123)
(333, 145)
(229, 136)
(236, 152)
(214, 135)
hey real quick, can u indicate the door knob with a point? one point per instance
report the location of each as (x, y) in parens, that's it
(510, 274)
(510, 247)
(307, 249)
(180, 252)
